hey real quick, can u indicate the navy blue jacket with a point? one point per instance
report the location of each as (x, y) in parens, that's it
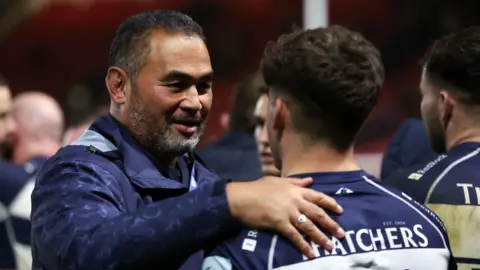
(450, 186)
(16, 185)
(103, 203)
(384, 230)
(235, 156)
(409, 146)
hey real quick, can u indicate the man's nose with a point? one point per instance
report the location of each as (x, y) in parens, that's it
(192, 100)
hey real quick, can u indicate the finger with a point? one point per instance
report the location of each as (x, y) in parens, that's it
(292, 234)
(319, 217)
(302, 182)
(314, 234)
(322, 200)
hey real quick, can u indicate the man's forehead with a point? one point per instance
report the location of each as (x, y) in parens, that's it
(180, 52)
(261, 107)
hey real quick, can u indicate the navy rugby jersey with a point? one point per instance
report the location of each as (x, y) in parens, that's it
(384, 229)
(16, 185)
(450, 186)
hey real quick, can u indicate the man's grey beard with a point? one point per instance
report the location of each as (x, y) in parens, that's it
(165, 141)
(158, 141)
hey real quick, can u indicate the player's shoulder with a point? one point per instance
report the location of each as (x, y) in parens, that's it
(419, 171)
(417, 181)
(406, 206)
(249, 249)
(441, 164)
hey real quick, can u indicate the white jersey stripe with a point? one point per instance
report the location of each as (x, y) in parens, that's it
(271, 253)
(440, 177)
(410, 205)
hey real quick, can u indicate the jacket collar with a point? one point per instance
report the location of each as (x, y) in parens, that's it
(138, 165)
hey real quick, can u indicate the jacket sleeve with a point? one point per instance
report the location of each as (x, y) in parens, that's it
(78, 222)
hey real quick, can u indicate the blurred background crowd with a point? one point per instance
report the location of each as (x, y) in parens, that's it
(60, 47)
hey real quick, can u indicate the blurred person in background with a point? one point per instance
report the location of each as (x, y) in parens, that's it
(235, 155)
(408, 147)
(5, 104)
(323, 85)
(34, 130)
(450, 183)
(129, 193)
(261, 136)
(74, 131)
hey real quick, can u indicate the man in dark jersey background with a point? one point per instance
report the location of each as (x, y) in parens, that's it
(408, 147)
(34, 128)
(450, 183)
(323, 84)
(235, 155)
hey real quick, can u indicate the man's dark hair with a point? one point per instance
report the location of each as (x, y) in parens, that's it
(244, 101)
(130, 46)
(332, 76)
(452, 63)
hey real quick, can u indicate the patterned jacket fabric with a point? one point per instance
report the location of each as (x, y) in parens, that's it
(103, 203)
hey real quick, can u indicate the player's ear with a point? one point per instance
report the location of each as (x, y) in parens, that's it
(445, 107)
(117, 82)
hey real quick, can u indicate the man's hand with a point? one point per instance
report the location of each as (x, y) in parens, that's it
(279, 203)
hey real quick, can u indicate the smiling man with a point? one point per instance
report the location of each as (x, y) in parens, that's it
(130, 194)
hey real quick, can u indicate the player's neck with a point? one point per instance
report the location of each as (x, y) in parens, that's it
(463, 127)
(463, 135)
(299, 158)
(27, 150)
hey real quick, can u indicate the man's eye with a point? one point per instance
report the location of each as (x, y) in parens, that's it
(177, 85)
(204, 87)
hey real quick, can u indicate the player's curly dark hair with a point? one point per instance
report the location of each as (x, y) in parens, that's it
(332, 76)
(452, 63)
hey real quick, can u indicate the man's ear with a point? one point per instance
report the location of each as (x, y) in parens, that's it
(117, 82)
(445, 107)
(279, 114)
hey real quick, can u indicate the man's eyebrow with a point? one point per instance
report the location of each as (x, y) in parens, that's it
(180, 75)
(207, 76)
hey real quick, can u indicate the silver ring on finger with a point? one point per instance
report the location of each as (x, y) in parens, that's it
(301, 220)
